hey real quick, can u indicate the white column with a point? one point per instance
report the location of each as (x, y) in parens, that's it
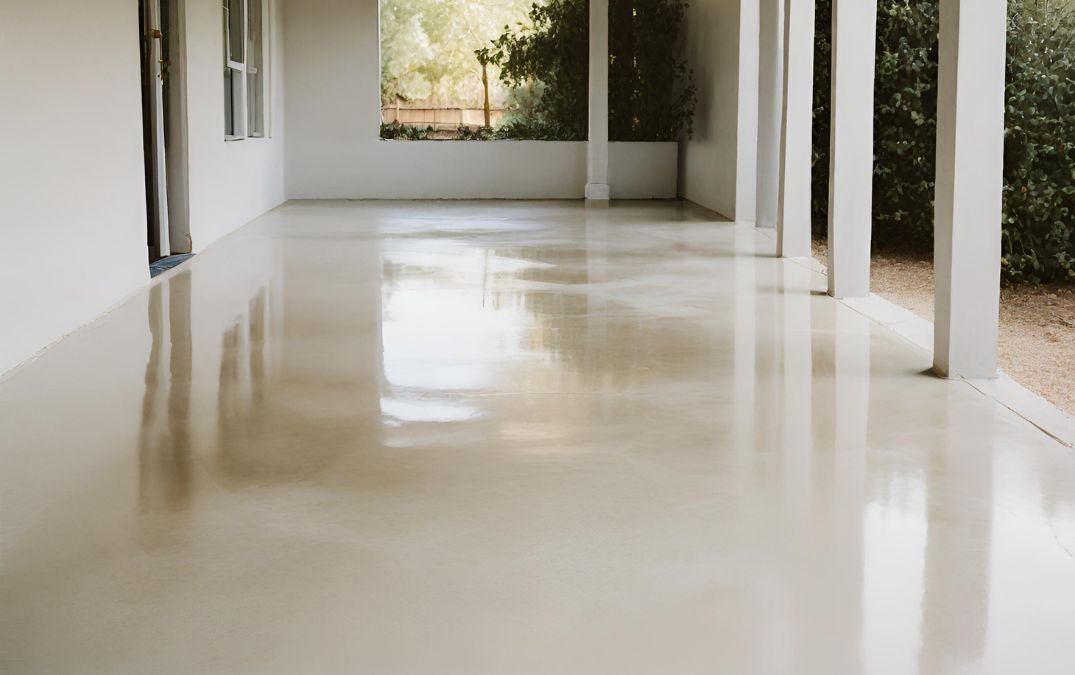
(770, 105)
(854, 34)
(970, 165)
(597, 148)
(746, 147)
(796, 131)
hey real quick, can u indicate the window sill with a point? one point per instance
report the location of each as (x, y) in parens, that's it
(236, 139)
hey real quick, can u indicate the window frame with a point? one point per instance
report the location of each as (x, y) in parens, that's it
(239, 115)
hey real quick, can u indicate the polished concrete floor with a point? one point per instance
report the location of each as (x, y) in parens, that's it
(510, 439)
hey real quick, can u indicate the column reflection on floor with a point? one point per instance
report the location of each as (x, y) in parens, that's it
(958, 545)
(165, 464)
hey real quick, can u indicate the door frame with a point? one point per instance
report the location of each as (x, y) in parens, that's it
(164, 112)
(176, 130)
(154, 72)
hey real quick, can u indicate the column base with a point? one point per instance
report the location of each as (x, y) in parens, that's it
(597, 192)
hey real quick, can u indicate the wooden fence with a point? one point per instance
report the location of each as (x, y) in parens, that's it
(441, 119)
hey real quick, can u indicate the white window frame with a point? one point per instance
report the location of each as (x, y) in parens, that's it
(241, 70)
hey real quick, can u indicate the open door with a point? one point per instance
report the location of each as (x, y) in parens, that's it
(154, 72)
(164, 126)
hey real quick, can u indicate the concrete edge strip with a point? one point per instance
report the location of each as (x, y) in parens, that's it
(918, 332)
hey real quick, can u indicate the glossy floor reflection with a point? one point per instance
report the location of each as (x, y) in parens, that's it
(518, 438)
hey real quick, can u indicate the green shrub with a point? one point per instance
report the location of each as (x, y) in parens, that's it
(1039, 150)
(1039, 171)
(553, 50)
(905, 123)
(651, 92)
(651, 89)
(465, 133)
(397, 131)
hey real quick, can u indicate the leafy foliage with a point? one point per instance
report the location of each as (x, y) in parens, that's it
(553, 49)
(905, 122)
(465, 133)
(651, 90)
(516, 130)
(1039, 171)
(397, 131)
(512, 131)
(651, 93)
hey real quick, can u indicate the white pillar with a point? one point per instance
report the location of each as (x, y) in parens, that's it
(796, 131)
(854, 35)
(746, 146)
(770, 105)
(597, 148)
(970, 165)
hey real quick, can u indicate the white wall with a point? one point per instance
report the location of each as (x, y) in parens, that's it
(72, 200)
(718, 164)
(333, 118)
(72, 195)
(230, 183)
(643, 170)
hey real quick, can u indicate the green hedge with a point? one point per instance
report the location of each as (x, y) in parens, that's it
(1039, 171)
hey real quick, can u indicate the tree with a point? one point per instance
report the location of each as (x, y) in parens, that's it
(651, 88)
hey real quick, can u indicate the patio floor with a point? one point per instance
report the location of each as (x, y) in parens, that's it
(499, 437)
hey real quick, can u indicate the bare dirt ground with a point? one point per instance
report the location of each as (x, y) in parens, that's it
(1037, 323)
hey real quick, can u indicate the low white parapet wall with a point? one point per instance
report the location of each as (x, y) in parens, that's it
(401, 169)
(643, 170)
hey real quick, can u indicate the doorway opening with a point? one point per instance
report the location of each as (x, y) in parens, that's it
(164, 129)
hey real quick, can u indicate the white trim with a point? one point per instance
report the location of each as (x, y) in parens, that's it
(918, 333)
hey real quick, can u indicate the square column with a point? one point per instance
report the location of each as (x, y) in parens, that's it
(770, 106)
(796, 137)
(854, 48)
(597, 148)
(969, 202)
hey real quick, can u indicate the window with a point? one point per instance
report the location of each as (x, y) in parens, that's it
(443, 72)
(245, 97)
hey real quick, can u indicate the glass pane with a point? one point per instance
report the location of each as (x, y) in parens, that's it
(234, 112)
(255, 72)
(229, 107)
(256, 105)
(233, 13)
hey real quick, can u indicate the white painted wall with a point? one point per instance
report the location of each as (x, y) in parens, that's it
(72, 200)
(643, 170)
(230, 183)
(718, 165)
(333, 117)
